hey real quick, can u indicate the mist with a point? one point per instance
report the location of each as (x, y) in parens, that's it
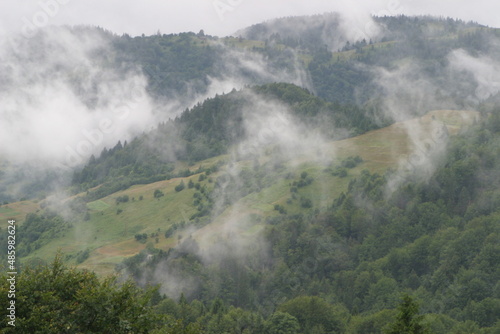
(237, 69)
(408, 92)
(60, 104)
(276, 145)
(276, 142)
(330, 30)
(64, 98)
(302, 173)
(484, 69)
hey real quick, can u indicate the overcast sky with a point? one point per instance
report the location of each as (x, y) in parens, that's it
(219, 17)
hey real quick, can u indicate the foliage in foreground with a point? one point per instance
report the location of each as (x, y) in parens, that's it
(56, 299)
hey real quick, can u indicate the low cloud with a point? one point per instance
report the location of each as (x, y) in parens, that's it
(332, 30)
(239, 68)
(484, 69)
(407, 92)
(275, 142)
(60, 104)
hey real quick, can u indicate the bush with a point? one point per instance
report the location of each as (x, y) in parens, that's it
(305, 181)
(82, 256)
(158, 193)
(340, 172)
(142, 238)
(170, 231)
(352, 162)
(280, 209)
(306, 203)
(180, 186)
(122, 199)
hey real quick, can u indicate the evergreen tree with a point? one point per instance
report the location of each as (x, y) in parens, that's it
(408, 321)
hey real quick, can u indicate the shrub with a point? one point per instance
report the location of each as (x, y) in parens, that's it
(82, 256)
(158, 193)
(352, 162)
(280, 209)
(340, 172)
(180, 186)
(306, 203)
(142, 238)
(122, 199)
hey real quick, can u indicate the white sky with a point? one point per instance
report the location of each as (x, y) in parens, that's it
(219, 17)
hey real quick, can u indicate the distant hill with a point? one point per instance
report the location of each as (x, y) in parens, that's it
(341, 62)
(307, 33)
(333, 31)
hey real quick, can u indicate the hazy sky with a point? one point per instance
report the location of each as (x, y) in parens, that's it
(219, 17)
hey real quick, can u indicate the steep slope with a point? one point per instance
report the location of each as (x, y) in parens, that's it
(279, 202)
(212, 128)
(105, 231)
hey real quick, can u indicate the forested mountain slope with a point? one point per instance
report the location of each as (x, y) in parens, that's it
(287, 180)
(212, 128)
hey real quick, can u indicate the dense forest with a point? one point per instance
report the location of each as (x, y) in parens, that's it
(342, 270)
(393, 252)
(436, 241)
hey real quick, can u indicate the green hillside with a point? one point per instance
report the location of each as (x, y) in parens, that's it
(108, 234)
(340, 265)
(209, 129)
(338, 186)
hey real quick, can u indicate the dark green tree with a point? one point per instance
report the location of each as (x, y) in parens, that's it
(408, 321)
(158, 193)
(282, 323)
(180, 186)
(313, 313)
